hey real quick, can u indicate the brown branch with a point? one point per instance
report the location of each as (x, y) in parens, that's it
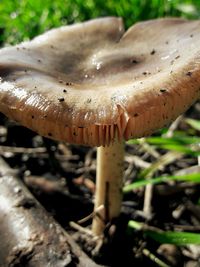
(29, 235)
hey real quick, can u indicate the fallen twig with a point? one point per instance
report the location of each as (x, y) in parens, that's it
(29, 235)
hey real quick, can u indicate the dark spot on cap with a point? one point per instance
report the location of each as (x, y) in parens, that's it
(39, 60)
(89, 100)
(64, 91)
(167, 42)
(191, 35)
(177, 57)
(136, 115)
(189, 73)
(134, 61)
(32, 116)
(162, 90)
(144, 73)
(61, 99)
(153, 52)
(68, 83)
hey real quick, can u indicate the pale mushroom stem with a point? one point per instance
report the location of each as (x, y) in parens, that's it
(109, 181)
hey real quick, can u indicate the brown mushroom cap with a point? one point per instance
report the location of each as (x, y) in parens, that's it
(88, 82)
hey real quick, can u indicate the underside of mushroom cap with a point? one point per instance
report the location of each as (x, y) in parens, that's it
(90, 82)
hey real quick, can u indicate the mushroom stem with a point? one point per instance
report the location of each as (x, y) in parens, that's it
(108, 185)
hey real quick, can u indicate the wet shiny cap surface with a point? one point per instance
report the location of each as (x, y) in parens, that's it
(90, 82)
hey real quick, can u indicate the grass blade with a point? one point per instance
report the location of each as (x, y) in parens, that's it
(154, 258)
(192, 177)
(194, 124)
(176, 238)
(167, 237)
(181, 143)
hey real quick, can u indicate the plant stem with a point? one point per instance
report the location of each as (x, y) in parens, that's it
(108, 184)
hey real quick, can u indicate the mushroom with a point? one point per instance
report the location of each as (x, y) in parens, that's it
(93, 84)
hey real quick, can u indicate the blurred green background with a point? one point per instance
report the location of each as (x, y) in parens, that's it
(24, 19)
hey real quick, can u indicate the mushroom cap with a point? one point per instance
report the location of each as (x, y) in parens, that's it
(90, 82)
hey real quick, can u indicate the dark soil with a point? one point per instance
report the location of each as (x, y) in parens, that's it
(62, 177)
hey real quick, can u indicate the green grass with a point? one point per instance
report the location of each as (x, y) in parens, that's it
(24, 19)
(179, 142)
(188, 145)
(167, 237)
(193, 178)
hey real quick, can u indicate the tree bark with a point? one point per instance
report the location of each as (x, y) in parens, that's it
(29, 236)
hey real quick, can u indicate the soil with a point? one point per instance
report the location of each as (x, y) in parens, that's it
(62, 178)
